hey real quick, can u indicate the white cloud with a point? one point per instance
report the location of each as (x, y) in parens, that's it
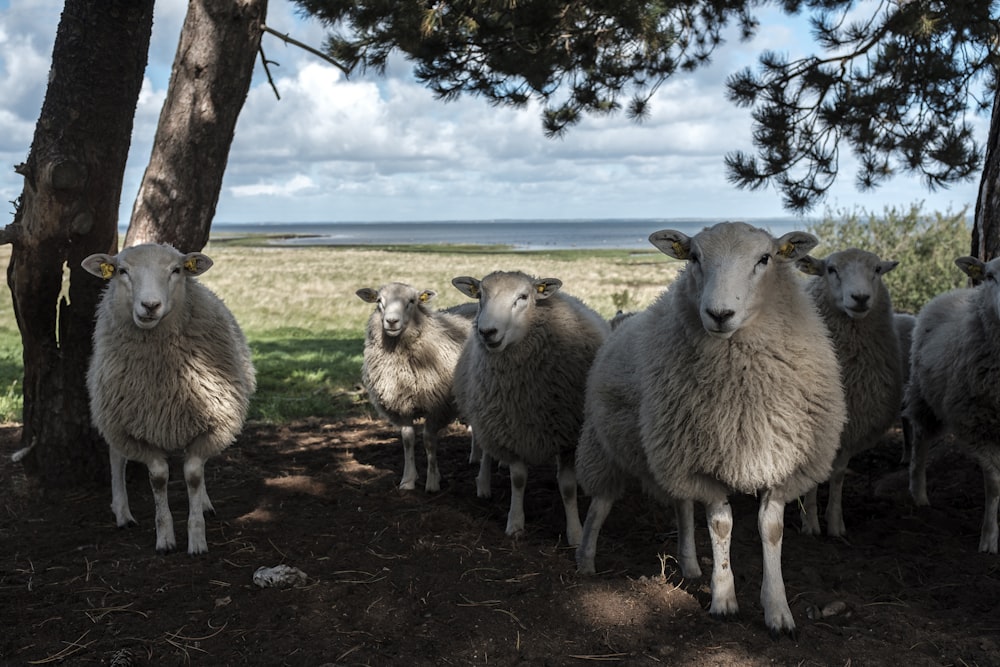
(370, 148)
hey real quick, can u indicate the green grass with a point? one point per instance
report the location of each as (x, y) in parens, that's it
(305, 325)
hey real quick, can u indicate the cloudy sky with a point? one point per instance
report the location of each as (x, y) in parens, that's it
(378, 149)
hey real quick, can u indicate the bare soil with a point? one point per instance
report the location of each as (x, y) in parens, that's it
(405, 577)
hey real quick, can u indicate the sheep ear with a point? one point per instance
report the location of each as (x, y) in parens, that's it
(811, 266)
(427, 295)
(368, 294)
(672, 243)
(795, 245)
(196, 263)
(546, 287)
(101, 265)
(972, 267)
(886, 266)
(467, 285)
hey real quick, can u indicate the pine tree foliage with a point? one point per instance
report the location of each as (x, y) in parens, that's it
(575, 57)
(898, 82)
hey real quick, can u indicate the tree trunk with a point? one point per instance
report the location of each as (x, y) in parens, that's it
(986, 229)
(208, 86)
(68, 210)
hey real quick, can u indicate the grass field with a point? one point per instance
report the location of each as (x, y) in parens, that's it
(306, 326)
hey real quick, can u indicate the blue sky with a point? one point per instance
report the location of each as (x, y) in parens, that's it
(373, 149)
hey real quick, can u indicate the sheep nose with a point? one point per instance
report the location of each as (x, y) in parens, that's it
(391, 322)
(720, 316)
(151, 307)
(861, 299)
(488, 334)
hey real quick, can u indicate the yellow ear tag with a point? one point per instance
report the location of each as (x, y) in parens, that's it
(424, 297)
(540, 289)
(786, 249)
(107, 270)
(191, 265)
(679, 251)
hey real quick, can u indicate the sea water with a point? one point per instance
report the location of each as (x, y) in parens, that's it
(519, 234)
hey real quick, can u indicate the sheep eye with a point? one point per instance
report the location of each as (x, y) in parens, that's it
(176, 270)
(764, 259)
(991, 277)
(123, 272)
(832, 270)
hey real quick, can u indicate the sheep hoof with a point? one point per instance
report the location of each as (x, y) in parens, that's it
(127, 523)
(407, 486)
(725, 615)
(163, 551)
(776, 633)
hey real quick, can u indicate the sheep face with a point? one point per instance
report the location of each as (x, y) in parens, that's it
(148, 279)
(985, 273)
(396, 303)
(507, 301)
(852, 278)
(727, 264)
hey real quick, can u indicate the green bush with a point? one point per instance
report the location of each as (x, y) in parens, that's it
(925, 245)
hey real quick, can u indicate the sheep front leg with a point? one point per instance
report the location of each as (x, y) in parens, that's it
(598, 511)
(810, 513)
(484, 486)
(518, 480)
(719, 515)
(159, 475)
(409, 437)
(433, 483)
(771, 525)
(119, 490)
(194, 476)
(918, 467)
(566, 476)
(989, 533)
(686, 548)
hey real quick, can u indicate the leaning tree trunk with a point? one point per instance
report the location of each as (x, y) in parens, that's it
(986, 229)
(208, 86)
(68, 210)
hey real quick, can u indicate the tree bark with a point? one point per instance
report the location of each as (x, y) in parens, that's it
(208, 86)
(986, 228)
(68, 209)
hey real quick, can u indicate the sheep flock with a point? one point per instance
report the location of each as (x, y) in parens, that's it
(762, 369)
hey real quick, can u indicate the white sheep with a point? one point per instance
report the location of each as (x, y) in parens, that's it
(955, 383)
(856, 306)
(733, 383)
(170, 373)
(521, 378)
(409, 363)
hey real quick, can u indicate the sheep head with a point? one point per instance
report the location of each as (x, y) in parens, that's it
(728, 267)
(147, 279)
(507, 301)
(853, 278)
(986, 274)
(396, 304)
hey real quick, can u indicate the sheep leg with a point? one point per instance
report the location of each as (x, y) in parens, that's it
(834, 505)
(566, 476)
(770, 524)
(598, 511)
(485, 477)
(194, 476)
(918, 467)
(719, 514)
(433, 483)
(686, 549)
(159, 475)
(475, 451)
(810, 512)
(119, 490)
(907, 428)
(988, 535)
(518, 480)
(409, 437)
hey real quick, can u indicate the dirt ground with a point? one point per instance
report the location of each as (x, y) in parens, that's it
(410, 578)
